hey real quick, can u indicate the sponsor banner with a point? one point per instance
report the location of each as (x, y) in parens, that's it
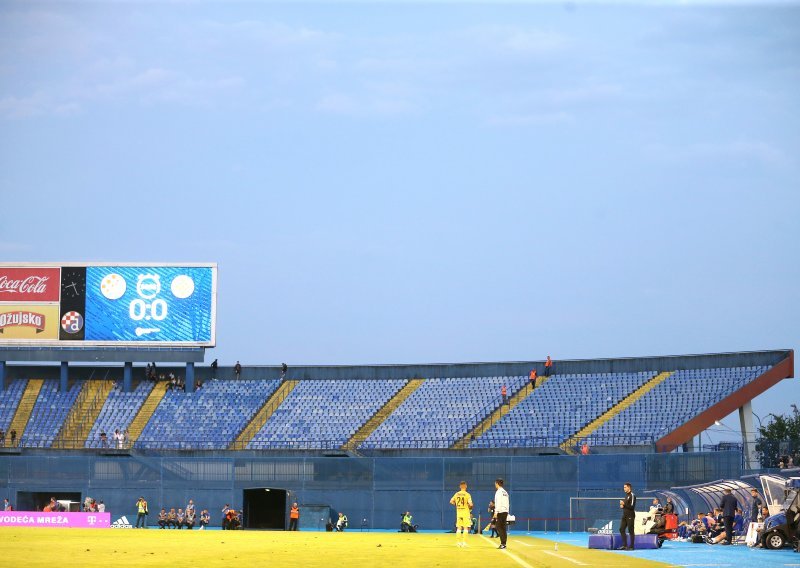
(29, 321)
(73, 303)
(170, 304)
(29, 284)
(108, 304)
(607, 526)
(65, 520)
(122, 523)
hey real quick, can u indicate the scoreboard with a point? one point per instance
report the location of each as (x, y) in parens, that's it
(108, 304)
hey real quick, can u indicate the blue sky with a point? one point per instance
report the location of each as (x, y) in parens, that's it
(415, 182)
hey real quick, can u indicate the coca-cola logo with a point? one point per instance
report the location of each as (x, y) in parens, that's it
(30, 285)
(22, 319)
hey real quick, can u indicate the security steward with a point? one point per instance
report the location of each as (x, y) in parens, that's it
(628, 506)
(294, 517)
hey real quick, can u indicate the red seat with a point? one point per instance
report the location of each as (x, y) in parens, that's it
(671, 526)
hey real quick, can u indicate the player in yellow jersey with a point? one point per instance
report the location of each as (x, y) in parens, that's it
(463, 502)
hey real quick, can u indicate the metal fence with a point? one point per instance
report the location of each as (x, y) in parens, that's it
(376, 489)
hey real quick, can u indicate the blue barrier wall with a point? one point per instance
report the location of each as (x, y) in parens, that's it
(375, 489)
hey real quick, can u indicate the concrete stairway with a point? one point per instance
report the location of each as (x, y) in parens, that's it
(586, 431)
(260, 418)
(381, 415)
(83, 415)
(24, 410)
(497, 414)
(146, 411)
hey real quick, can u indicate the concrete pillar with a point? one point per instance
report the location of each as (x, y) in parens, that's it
(64, 384)
(127, 377)
(748, 436)
(2, 376)
(190, 377)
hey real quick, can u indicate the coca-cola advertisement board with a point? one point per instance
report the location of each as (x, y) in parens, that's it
(29, 284)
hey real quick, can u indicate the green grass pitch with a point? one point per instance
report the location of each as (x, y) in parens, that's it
(172, 548)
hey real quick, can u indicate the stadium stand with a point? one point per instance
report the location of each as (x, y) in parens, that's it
(209, 418)
(9, 399)
(48, 414)
(682, 396)
(322, 414)
(118, 412)
(559, 408)
(441, 411)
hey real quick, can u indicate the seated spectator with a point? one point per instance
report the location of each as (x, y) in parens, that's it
(205, 518)
(659, 525)
(190, 519)
(172, 519)
(162, 519)
(180, 518)
(738, 523)
(669, 507)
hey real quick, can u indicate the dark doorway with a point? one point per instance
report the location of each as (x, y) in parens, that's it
(265, 508)
(35, 501)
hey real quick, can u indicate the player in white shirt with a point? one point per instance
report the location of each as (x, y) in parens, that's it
(501, 508)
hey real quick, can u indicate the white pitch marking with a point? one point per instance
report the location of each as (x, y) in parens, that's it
(514, 557)
(522, 543)
(551, 553)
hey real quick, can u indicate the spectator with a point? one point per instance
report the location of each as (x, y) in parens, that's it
(755, 505)
(198, 384)
(294, 517)
(585, 449)
(162, 519)
(101, 507)
(341, 523)
(781, 465)
(125, 438)
(548, 366)
(7, 506)
(148, 372)
(214, 365)
(738, 522)
(237, 369)
(764, 513)
(103, 440)
(205, 518)
(669, 508)
(13, 434)
(141, 513)
(504, 394)
(190, 507)
(284, 368)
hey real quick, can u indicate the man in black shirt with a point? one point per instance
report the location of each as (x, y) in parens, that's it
(628, 506)
(669, 508)
(728, 506)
